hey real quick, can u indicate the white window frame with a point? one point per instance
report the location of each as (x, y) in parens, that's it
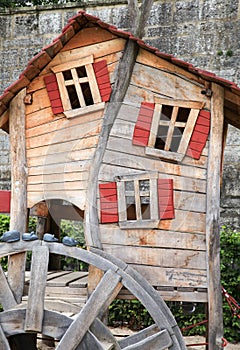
(76, 81)
(153, 222)
(194, 107)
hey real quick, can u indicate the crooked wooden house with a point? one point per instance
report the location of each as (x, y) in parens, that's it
(159, 178)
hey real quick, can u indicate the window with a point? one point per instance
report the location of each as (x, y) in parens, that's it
(137, 201)
(78, 87)
(166, 128)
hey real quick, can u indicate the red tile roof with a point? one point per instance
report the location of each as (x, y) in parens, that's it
(76, 23)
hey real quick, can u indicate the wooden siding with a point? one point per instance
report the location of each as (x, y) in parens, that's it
(60, 150)
(174, 255)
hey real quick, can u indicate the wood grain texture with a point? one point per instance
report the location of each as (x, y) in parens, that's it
(35, 307)
(98, 300)
(7, 299)
(19, 212)
(178, 88)
(212, 219)
(4, 345)
(150, 256)
(99, 50)
(112, 235)
(88, 36)
(150, 59)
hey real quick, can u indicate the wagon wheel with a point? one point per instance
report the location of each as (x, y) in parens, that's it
(85, 330)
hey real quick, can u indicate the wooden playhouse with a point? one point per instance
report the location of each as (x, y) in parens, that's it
(142, 172)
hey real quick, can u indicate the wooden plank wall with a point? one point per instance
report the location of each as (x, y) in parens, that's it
(172, 257)
(59, 150)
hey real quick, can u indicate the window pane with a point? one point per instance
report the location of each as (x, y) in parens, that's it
(87, 94)
(166, 112)
(131, 212)
(161, 137)
(129, 186)
(67, 75)
(176, 139)
(81, 72)
(73, 96)
(183, 114)
(144, 185)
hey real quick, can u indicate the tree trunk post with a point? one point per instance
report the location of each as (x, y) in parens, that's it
(215, 319)
(19, 211)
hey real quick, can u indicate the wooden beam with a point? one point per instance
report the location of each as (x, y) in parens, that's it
(19, 212)
(35, 308)
(4, 118)
(212, 219)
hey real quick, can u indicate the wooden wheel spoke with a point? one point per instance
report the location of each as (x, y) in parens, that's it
(7, 299)
(35, 307)
(100, 330)
(147, 339)
(98, 301)
(4, 345)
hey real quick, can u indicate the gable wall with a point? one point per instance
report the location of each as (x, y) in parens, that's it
(204, 33)
(60, 150)
(148, 250)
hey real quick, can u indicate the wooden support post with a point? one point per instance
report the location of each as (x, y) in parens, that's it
(215, 320)
(19, 212)
(40, 229)
(35, 308)
(54, 228)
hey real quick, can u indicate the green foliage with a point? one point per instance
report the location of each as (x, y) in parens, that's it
(230, 273)
(130, 313)
(75, 230)
(229, 53)
(4, 226)
(220, 53)
(4, 223)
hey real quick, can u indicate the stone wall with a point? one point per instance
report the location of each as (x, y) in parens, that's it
(203, 32)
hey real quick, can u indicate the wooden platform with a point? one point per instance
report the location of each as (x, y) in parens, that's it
(66, 291)
(71, 287)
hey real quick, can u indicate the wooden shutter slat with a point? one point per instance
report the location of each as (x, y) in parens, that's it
(165, 199)
(53, 93)
(143, 125)
(200, 135)
(103, 79)
(5, 201)
(108, 203)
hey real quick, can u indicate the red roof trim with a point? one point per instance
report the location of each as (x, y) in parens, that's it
(76, 23)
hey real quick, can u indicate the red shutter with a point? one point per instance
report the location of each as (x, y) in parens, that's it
(165, 199)
(143, 125)
(103, 80)
(5, 200)
(200, 135)
(53, 93)
(108, 202)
